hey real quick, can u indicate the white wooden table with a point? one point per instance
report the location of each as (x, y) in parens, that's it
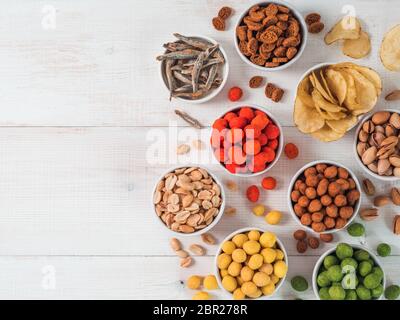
(80, 100)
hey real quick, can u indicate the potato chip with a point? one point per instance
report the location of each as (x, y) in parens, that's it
(390, 49)
(347, 28)
(350, 101)
(342, 125)
(357, 48)
(326, 134)
(326, 87)
(306, 119)
(325, 104)
(317, 85)
(337, 84)
(303, 92)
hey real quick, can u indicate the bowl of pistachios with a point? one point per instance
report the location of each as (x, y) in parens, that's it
(194, 69)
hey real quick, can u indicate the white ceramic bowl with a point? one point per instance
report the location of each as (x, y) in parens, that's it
(212, 224)
(358, 159)
(300, 171)
(278, 151)
(219, 251)
(213, 92)
(304, 34)
(321, 260)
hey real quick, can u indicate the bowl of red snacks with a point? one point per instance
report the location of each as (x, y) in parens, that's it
(247, 140)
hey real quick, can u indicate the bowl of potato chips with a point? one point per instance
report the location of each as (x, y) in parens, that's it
(332, 97)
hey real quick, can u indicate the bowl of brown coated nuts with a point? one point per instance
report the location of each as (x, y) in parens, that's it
(270, 35)
(324, 196)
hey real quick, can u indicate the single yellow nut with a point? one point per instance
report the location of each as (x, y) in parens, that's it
(273, 217)
(267, 268)
(274, 279)
(251, 247)
(239, 255)
(280, 269)
(279, 254)
(229, 283)
(223, 272)
(246, 273)
(254, 235)
(228, 247)
(259, 210)
(249, 288)
(224, 260)
(269, 255)
(268, 289)
(261, 279)
(234, 268)
(255, 295)
(238, 294)
(256, 261)
(193, 282)
(239, 239)
(210, 282)
(201, 295)
(268, 239)
(239, 280)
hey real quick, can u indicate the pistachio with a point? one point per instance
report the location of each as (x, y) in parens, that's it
(380, 117)
(394, 95)
(175, 244)
(395, 160)
(376, 139)
(396, 172)
(390, 131)
(363, 136)
(369, 155)
(369, 214)
(389, 172)
(379, 129)
(369, 187)
(395, 195)
(395, 120)
(381, 201)
(361, 147)
(396, 224)
(373, 167)
(368, 126)
(383, 166)
(390, 142)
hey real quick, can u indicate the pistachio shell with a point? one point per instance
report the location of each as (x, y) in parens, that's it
(381, 117)
(376, 139)
(383, 166)
(395, 120)
(390, 131)
(373, 167)
(396, 172)
(369, 155)
(361, 147)
(363, 136)
(368, 126)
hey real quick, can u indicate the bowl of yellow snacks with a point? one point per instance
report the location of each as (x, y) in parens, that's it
(251, 263)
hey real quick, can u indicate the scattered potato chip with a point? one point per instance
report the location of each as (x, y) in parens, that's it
(357, 48)
(390, 49)
(347, 28)
(306, 119)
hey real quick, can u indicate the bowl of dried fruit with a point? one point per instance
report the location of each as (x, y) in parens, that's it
(251, 263)
(188, 200)
(324, 196)
(270, 35)
(376, 145)
(348, 272)
(193, 68)
(246, 141)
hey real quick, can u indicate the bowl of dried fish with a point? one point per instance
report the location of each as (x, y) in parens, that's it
(193, 68)
(270, 35)
(188, 200)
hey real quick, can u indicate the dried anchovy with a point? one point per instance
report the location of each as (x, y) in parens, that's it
(170, 78)
(211, 76)
(192, 95)
(184, 54)
(182, 78)
(176, 46)
(196, 70)
(192, 121)
(197, 43)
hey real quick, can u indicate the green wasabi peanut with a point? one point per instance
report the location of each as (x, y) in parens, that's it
(299, 283)
(334, 273)
(377, 292)
(372, 280)
(384, 250)
(343, 251)
(349, 281)
(351, 295)
(356, 229)
(363, 293)
(323, 279)
(377, 271)
(361, 255)
(349, 264)
(392, 292)
(364, 268)
(330, 261)
(337, 293)
(324, 294)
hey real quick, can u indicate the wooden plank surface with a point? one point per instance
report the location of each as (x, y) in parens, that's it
(82, 111)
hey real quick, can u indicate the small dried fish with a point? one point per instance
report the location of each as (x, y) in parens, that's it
(192, 95)
(170, 78)
(190, 120)
(183, 54)
(176, 46)
(182, 78)
(196, 70)
(194, 42)
(211, 76)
